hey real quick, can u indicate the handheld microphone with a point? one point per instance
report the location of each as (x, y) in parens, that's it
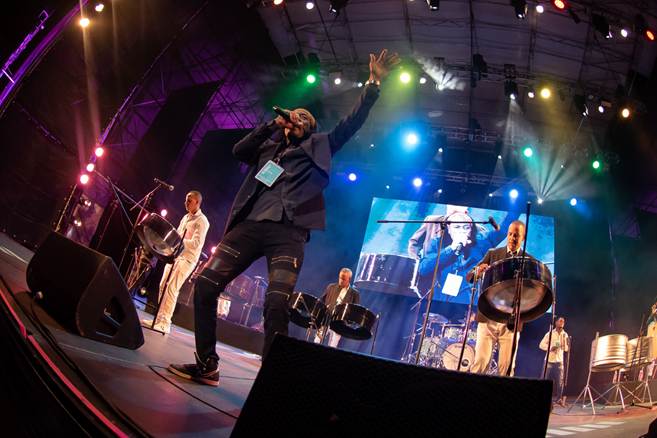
(162, 183)
(281, 112)
(493, 223)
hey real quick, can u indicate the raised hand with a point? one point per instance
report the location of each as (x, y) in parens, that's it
(379, 68)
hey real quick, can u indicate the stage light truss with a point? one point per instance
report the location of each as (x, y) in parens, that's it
(491, 137)
(495, 75)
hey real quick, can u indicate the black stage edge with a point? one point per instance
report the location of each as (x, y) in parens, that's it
(308, 389)
(42, 402)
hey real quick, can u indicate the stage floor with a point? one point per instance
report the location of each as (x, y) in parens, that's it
(163, 405)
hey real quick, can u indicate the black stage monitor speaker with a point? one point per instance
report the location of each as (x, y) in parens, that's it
(304, 389)
(84, 292)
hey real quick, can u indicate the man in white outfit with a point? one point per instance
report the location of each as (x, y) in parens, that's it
(558, 345)
(193, 229)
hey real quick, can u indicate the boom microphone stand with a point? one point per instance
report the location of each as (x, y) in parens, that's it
(443, 224)
(515, 314)
(476, 283)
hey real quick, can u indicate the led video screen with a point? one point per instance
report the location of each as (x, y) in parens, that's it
(400, 258)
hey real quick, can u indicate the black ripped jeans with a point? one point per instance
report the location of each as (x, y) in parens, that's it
(282, 244)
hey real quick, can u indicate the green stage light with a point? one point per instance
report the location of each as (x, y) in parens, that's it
(596, 164)
(528, 152)
(311, 78)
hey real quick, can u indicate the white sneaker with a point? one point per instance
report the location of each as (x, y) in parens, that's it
(163, 327)
(160, 326)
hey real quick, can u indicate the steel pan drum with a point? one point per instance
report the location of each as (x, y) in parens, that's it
(239, 289)
(301, 304)
(353, 321)
(160, 237)
(499, 286)
(387, 273)
(608, 353)
(641, 357)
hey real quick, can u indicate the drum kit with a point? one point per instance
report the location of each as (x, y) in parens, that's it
(350, 321)
(441, 348)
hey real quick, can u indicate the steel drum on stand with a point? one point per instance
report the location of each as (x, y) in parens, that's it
(608, 353)
(300, 306)
(160, 238)
(499, 286)
(387, 273)
(352, 321)
(640, 357)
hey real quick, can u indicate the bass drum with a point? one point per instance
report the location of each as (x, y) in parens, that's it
(353, 321)
(387, 273)
(160, 238)
(499, 286)
(305, 308)
(452, 354)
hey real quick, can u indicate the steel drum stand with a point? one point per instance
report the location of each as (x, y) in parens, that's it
(443, 224)
(587, 390)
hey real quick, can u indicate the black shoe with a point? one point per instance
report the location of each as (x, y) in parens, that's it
(206, 373)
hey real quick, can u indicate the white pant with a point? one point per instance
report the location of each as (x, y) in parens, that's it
(333, 341)
(487, 335)
(181, 270)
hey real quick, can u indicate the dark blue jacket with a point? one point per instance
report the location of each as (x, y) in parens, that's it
(305, 184)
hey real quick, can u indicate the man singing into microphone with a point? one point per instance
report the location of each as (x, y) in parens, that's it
(193, 229)
(491, 332)
(463, 246)
(280, 201)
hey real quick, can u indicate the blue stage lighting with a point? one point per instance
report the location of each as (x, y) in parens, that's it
(352, 177)
(411, 139)
(528, 152)
(513, 193)
(573, 201)
(417, 182)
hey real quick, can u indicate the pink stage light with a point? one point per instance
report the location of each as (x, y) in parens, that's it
(84, 178)
(99, 151)
(163, 213)
(214, 248)
(90, 167)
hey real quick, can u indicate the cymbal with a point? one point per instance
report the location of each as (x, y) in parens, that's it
(462, 321)
(436, 318)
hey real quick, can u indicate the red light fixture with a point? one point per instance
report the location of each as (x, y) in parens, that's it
(559, 4)
(650, 35)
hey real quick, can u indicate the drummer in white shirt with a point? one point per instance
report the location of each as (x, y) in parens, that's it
(337, 293)
(558, 345)
(193, 229)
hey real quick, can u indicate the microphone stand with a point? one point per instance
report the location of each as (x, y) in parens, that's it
(467, 319)
(143, 203)
(554, 307)
(515, 315)
(411, 338)
(443, 224)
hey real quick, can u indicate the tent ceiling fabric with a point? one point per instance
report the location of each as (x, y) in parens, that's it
(573, 57)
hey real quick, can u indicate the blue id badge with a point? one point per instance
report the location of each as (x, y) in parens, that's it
(269, 173)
